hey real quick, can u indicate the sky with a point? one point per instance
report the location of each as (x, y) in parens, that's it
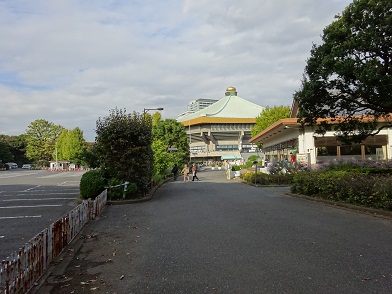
(70, 62)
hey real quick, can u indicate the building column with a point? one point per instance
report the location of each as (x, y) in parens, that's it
(338, 151)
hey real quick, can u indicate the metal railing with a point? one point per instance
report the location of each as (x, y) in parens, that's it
(23, 268)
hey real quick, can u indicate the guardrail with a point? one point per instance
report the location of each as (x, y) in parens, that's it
(23, 268)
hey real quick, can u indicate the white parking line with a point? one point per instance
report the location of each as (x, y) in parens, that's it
(38, 199)
(27, 190)
(22, 216)
(14, 175)
(31, 206)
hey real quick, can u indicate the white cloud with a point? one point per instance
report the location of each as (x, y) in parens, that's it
(70, 62)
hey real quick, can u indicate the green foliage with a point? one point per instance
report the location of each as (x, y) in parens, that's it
(267, 179)
(235, 168)
(70, 145)
(253, 158)
(116, 190)
(92, 184)
(269, 116)
(350, 74)
(90, 158)
(41, 136)
(169, 133)
(5, 153)
(248, 164)
(349, 186)
(17, 146)
(123, 146)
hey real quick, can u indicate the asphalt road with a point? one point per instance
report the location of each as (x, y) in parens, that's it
(31, 200)
(221, 236)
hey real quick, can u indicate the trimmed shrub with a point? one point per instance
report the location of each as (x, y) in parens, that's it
(92, 184)
(358, 187)
(116, 190)
(235, 168)
(268, 179)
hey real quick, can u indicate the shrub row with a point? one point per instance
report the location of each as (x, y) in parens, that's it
(267, 179)
(94, 182)
(366, 187)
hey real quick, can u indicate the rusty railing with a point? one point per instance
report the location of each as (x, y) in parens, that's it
(23, 268)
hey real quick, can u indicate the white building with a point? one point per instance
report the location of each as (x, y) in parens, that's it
(200, 104)
(287, 135)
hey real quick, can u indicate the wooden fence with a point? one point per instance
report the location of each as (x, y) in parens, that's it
(23, 268)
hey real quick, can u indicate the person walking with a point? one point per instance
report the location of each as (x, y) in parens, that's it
(185, 172)
(194, 173)
(175, 171)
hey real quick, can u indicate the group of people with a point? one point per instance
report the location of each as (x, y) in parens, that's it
(186, 171)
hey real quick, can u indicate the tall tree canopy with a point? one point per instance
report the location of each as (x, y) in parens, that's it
(268, 116)
(70, 145)
(349, 76)
(123, 146)
(5, 153)
(41, 138)
(17, 147)
(167, 134)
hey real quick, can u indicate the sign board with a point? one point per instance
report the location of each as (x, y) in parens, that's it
(303, 158)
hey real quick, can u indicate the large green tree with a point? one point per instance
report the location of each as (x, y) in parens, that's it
(268, 116)
(41, 138)
(123, 145)
(5, 153)
(17, 147)
(170, 144)
(70, 145)
(349, 77)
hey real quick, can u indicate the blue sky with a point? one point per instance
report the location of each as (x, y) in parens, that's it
(70, 62)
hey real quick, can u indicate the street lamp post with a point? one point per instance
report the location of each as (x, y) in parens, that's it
(145, 110)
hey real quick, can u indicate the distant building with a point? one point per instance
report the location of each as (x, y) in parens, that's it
(200, 104)
(221, 130)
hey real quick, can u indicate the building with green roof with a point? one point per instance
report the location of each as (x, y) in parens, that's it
(222, 130)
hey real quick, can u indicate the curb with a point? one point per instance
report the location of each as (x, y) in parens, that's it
(361, 209)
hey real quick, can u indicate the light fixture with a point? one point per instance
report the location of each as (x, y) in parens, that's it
(147, 109)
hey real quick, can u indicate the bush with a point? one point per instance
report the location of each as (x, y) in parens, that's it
(92, 184)
(235, 168)
(268, 179)
(348, 186)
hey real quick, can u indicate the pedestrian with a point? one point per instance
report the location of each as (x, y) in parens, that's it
(194, 173)
(292, 157)
(185, 172)
(175, 171)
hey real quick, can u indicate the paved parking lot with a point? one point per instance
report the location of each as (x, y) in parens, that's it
(31, 200)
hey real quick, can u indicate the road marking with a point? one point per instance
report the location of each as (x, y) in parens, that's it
(14, 175)
(31, 206)
(38, 199)
(1, 236)
(31, 188)
(47, 192)
(23, 216)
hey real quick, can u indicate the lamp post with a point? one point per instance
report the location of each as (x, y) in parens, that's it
(255, 162)
(190, 141)
(145, 110)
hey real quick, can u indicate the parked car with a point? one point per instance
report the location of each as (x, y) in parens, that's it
(12, 165)
(4, 166)
(27, 166)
